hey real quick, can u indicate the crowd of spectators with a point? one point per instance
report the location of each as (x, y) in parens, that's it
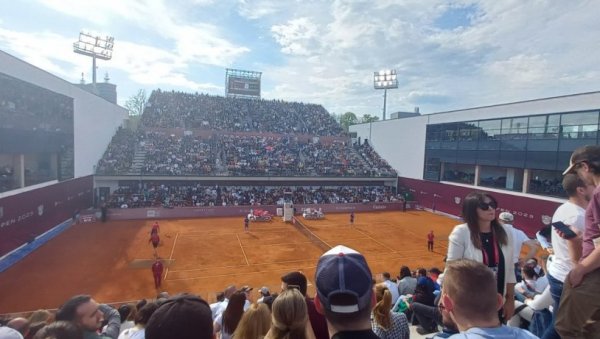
(191, 111)
(118, 157)
(240, 155)
(237, 137)
(151, 194)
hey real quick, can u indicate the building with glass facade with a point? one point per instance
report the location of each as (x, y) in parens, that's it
(518, 147)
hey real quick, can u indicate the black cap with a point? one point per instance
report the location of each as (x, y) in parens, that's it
(182, 316)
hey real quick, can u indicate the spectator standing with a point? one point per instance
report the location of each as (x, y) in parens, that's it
(255, 322)
(580, 300)
(298, 281)
(345, 293)
(482, 238)
(567, 252)
(520, 239)
(289, 318)
(470, 298)
(227, 322)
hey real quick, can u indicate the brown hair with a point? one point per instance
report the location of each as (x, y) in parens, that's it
(381, 311)
(255, 322)
(469, 214)
(234, 311)
(290, 315)
(472, 287)
(570, 183)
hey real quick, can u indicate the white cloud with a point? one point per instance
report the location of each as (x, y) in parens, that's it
(327, 50)
(198, 42)
(296, 36)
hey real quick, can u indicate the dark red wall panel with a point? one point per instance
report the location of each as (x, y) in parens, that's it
(29, 214)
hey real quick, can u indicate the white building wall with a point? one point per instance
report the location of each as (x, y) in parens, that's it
(402, 141)
(95, 119)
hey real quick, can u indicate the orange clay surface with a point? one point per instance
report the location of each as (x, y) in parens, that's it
(111, 261)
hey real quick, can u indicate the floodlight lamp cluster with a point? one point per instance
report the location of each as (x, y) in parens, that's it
(385, 79)
(94, 46)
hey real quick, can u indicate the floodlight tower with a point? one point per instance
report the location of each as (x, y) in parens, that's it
(385, 79)
(96, 47)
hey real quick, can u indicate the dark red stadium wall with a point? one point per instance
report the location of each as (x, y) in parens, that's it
(528, 211)
(29, 214)
(229, 211)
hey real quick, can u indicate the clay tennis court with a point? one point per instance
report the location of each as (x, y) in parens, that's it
(112, 261)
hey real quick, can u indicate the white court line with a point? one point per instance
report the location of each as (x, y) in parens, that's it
(171, 256)
(243, 252)
(234, 266)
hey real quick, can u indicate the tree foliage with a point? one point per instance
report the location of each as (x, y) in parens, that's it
(136, 103)
(366, 118)
(348, 119)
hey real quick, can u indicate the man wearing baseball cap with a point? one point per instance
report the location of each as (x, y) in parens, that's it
(580, 301)
(520, 239)
(345, 293)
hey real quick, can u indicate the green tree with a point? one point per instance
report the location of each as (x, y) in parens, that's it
(368, 118)
(136, 103)
(348, 119)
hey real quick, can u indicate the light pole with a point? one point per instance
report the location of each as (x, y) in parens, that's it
(385, 79)
(96, 47)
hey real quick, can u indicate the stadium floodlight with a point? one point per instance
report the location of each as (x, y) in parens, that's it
(96, 47)
(385, 79)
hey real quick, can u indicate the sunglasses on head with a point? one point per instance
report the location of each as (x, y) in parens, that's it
(486, 205)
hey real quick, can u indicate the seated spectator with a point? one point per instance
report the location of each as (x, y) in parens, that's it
(20, 324)
(289, 319)
(531, 285)
(41, 316)
(86, 313)
(227, 322)
(471, 299)
(127, 313)
(9, 333)
(524, 310)
(255, 322)
(183, 316)
(142, 317)
(59, 330)
(220, 307)
(385, 323)
(345, 293)
(406, 282)
(264, 292)
(424, 292)
(392, 287)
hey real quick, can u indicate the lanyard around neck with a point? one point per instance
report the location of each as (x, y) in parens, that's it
(486, 260)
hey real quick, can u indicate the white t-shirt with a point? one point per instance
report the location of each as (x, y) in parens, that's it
(561, 263)
(519, 237)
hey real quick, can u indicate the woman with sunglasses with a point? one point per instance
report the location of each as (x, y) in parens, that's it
(482, 238)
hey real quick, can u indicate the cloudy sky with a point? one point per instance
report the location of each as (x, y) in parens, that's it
(448, 54)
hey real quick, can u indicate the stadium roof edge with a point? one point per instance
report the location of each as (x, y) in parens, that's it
(53, 75)
(487, 106)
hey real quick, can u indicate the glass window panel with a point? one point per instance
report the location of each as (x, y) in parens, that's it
(546, 183)
(490, 129)
(461, 173)
(579, 132)
(501, 177)
(584, 118)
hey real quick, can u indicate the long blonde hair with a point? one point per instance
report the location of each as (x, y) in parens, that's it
(289, 316)
(255, 322)
(381, 311)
